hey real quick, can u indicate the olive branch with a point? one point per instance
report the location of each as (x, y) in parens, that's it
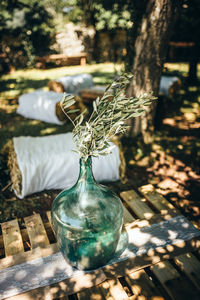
(108, 118)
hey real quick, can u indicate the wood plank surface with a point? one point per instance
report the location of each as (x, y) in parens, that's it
(142, 285)
(108, 290)
(49, 216)
(174, 283)
(137, 205)
(189, 264)
(167, 269)
(36, 231)
(156, 199)
(165, 272)
(36, 294)
(177, 286)
(12, 238)
(128, 218)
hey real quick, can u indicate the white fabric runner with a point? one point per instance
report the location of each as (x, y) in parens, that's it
(51, 269)
(50, 163)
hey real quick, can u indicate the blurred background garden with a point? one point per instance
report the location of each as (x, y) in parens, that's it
(42, 41)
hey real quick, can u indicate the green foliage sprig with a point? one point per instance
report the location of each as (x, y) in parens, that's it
(107, 119)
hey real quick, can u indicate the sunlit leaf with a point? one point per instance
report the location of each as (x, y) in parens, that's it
(71, 111)
(68, 103)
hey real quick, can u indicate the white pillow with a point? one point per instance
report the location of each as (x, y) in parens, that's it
(165, 83)
(75, 84)
(49, 163)
(40, 105)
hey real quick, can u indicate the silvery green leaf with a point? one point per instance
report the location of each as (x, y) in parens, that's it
(94, 106)
(80, 120)
(84, 111)
(66, 97)
(73, 111)
(81, 116)
(103, 153)
(107, 118)
(107, 96)
(88, 125)
(117, 115)
(115, 85)
(63, 98)
(68, 103)
(97, 100)
(147, 103)
(136, 114)
(122, 99)
(140, 110)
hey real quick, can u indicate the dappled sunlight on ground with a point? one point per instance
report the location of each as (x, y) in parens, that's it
(171, 164)
(176, 180)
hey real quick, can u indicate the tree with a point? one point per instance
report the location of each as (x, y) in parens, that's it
(103, 16)
(153, 34)
(152, 23)
(23, 25)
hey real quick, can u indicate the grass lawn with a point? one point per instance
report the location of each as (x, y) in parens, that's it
(23, 81)
(171, 163)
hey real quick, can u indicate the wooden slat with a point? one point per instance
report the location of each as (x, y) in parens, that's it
(191, 266)
(22, 257)
(142, 285)
(42, 293)
(36, 231)
(94, 293)
(165, 271)
(108, 290)
(49, 216)
(24, 234)
(12, 238)
(177, 286)
(77, 284)
(115, 290)
(135, 202)
(128, 218)
(155, 198)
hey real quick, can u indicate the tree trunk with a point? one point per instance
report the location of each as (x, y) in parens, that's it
(194, 59)
(150, 52)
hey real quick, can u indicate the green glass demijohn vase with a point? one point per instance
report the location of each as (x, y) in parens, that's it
(87, 220)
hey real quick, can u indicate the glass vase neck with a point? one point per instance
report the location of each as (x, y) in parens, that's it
(86, 174)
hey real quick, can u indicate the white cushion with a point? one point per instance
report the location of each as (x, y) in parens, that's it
(49, 163)
(40, 105)
(75, 84)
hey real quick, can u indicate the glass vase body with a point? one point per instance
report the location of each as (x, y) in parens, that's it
(87, 220)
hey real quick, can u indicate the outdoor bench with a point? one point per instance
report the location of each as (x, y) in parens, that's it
(61, 60)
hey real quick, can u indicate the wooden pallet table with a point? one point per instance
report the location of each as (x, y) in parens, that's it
(168, 276)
